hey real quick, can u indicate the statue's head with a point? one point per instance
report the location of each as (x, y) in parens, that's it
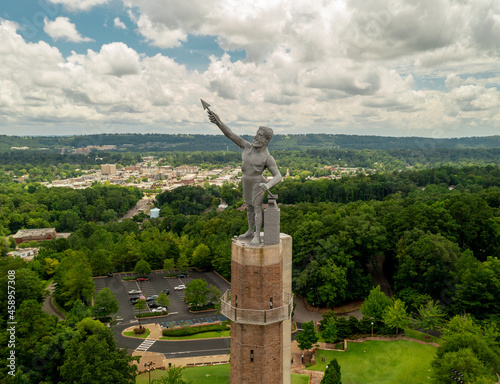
(263, 136)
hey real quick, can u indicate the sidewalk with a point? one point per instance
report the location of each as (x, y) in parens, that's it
(315, 377)
(161, 362)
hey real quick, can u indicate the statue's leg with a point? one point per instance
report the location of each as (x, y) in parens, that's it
(258, 225)
(251, 223)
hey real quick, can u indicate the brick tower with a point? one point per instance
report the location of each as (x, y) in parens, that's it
(259, 305)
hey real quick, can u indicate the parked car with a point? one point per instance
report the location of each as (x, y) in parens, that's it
(134, 291)
(110, 274)
(153, 297)
(166, 291)
(153, 304)
(134, 300)
(180, 287)
(181, 276)
(159, 309)
(134, 297)
(142, 279)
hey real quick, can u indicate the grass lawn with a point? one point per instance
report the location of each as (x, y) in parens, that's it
(131, 333)
(381, 362)
(203, 335)
(212, 374)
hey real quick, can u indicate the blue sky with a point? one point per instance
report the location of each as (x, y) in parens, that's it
(400, 68)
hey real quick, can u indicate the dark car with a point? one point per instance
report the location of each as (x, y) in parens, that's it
(181, 276)
(135, 297)
(142, 279)
(166, 291)
(153, 304)
(110, 274)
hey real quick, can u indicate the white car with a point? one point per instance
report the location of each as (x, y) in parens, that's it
(134, 291)
(180, 287)
(159, 309)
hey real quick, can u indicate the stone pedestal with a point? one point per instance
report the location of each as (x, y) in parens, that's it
(260, 305)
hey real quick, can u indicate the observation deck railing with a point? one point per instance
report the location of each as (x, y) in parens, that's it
(256, 316)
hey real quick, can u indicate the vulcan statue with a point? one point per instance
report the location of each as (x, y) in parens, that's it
(255, 159)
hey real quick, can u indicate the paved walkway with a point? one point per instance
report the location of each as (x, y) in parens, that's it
(315, 377)
(161, 362)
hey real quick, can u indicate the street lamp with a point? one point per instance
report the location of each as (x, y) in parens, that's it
(372, 328)
(148, 367)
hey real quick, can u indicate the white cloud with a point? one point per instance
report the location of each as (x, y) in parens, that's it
(63, 29)
(79, 5)
(119, 24)
(341, 66)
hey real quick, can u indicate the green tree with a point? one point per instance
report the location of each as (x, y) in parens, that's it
(172, 376)
(478, 286)
(375, 304)
(343, 327)
(464, 361)
(201, 258)
(163, 300)
(326, 318)
(307, 337)
(169, 264)
(100, 262)
(78, 312)
(426, 262)
(142, 268)
(95, 353)
(395, 316)
(330, 331)
(105, 304)
(199, 293)
(332, 373)
(74, 280)
(28, 286)
(141, 305)
(468, 348)
(430, 315)
(183, 262)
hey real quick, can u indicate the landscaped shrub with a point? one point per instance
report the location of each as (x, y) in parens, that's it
(195, 330)
(203, 308)
(151, 314)
(139, 331)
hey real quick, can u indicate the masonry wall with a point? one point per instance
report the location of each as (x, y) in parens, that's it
(257, 351)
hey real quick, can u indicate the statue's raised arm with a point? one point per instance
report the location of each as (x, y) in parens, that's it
(214, 118)
(256, 159)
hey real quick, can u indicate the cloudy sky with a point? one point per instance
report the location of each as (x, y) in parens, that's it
(392, 68)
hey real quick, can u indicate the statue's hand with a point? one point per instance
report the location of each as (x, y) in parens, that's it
(264, 186)
(214, 118)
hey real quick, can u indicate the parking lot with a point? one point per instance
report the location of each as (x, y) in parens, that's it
(178, 310)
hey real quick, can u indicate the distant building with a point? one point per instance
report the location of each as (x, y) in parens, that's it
(154, 212)
(38, 234)
(81, 151)
(132, 169)
(185, 169)
(25, 253)
(108, 169)
(101, 147)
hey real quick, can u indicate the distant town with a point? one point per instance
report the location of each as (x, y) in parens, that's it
(149, 175)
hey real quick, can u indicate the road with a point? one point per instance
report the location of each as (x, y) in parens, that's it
(188, 348)
(139, 207)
